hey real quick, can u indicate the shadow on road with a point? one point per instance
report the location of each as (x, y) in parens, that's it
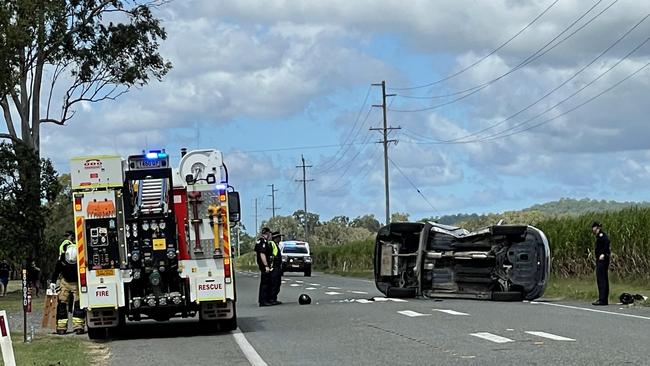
(170, 329)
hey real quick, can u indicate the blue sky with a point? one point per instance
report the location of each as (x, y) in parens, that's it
(251, 78)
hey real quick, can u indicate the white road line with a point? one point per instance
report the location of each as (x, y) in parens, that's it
(358, 292)
(364, 301)
(451, 312)
(332, 293)
(315, 284)
(492, 337)
(592, 310)
(333, 288)
(283, 281)
(298, 281)
(294, 285)
(551, 336)
(310, 288)
(247, 349)
(411, 313)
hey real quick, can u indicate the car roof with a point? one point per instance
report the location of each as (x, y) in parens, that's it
(294, 242)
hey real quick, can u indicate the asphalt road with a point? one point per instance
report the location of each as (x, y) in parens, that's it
(350, 323)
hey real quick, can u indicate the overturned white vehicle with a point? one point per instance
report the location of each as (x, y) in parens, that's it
(499, 262)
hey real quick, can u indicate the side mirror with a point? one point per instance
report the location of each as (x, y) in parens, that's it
(234, 210)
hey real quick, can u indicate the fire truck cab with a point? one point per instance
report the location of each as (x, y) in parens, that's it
(154, 242)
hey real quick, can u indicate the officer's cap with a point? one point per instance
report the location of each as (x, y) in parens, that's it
(265, 230)
(596, 224)
(276, 234)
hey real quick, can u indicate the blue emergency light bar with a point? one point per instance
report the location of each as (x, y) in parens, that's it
(156, 155)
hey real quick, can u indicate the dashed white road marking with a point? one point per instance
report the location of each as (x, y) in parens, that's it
(451, 312)
(551, 336)
(380, 299)
(294, 285)
(411, 313)
(310, 288)
(249, 352)
(283, 281)
(592, 310)
(358, 292)
(299, 281)
(315, 284)
(333, 288)
(332, 293)
(492, 337)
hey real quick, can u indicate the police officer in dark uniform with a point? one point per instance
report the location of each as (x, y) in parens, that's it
(276, 272)
(263, 250)
(602, 252)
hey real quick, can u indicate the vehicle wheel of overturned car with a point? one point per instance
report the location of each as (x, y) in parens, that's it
(498, 262)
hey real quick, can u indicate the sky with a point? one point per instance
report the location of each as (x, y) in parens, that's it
(501, 104)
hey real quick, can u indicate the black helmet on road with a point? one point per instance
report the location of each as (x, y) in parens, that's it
(304, 299)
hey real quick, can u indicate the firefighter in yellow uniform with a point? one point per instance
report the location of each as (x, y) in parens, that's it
(66, 273)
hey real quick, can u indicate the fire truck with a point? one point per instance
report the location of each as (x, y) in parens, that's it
(153, 242)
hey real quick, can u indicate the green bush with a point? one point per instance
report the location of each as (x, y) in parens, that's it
(572, 243)
(348, 257)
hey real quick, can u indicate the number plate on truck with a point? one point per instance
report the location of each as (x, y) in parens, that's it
(105, 272)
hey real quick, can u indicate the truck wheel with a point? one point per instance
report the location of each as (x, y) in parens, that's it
(97, 333)
(308, 273)
(229, 324)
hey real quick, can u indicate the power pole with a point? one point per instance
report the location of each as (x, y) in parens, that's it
(257, 228)
(304, 181)
(272, 195)
(385, 142)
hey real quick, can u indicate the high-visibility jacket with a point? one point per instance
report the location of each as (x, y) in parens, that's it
(63, 245)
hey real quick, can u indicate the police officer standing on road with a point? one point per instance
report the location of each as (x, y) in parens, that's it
(602, 252)
(276, 272)
(263, 250)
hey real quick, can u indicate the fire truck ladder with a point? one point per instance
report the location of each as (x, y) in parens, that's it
(151, 197)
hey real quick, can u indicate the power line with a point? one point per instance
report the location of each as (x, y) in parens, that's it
(500, 134)
(414, 186)
(298, 148)
(536, 55)
(332, 164)
(565, 82)
(356, 121)
(572, 109)
(453, 75)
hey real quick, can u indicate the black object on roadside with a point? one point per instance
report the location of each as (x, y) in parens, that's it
(304, 299)
(626, 298)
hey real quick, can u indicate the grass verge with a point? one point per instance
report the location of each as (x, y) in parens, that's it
(45, 349)
(50, 350)
(585, 289)
(13, 301)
